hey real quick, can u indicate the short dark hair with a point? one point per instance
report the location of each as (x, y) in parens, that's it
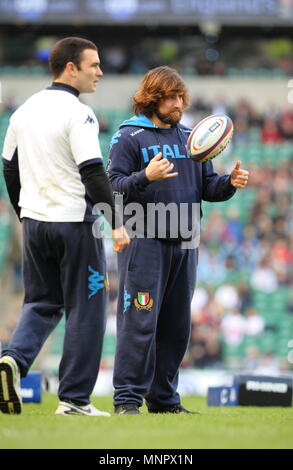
(155, 86)
(68, 50)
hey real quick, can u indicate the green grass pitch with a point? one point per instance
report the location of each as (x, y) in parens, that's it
(215, 428)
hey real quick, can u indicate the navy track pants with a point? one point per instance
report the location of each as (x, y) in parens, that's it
(156, 284)
(64, 270)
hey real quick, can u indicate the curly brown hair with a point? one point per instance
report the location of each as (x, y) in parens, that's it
(156, 85)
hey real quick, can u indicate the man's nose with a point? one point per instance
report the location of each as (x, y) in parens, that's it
(178, 102)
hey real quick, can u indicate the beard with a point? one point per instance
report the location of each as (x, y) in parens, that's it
(171, 118)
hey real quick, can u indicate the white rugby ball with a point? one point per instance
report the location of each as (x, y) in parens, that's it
(209, 137)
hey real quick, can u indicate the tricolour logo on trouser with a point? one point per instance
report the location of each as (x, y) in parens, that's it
(143, 301)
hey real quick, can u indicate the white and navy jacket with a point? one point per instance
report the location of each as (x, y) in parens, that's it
(50, 139)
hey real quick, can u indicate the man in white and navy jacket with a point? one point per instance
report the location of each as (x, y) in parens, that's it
(54, 174)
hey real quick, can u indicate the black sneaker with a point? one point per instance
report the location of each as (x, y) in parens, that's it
(10, 392)
(172, 409)
(127, 409)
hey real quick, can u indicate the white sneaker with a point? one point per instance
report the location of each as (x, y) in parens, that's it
(10, 394)
(68, 408)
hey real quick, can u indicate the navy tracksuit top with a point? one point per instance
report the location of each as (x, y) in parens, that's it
(137, 141)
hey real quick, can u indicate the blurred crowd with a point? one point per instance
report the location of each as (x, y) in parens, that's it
(238, 254)
(206, 54)
(191, 52)
(274, 124)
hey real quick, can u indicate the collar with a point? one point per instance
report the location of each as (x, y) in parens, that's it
(64, 87)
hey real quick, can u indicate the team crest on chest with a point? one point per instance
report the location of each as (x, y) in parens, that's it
(143, 301)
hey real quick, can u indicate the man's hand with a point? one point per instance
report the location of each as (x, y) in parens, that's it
(158, 169)
(121, 239)
(238, 177)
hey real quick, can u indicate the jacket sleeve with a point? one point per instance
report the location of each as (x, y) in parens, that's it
(216, 188)
(12, 180)
(99, 190)
(11, 168)
(124, 168)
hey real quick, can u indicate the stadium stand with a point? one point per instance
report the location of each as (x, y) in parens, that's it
(191, 52)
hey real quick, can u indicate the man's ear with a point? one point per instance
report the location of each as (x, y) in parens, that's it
(71, 68)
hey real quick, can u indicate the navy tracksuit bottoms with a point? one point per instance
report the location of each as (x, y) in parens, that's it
(156, 284)
(64, 270)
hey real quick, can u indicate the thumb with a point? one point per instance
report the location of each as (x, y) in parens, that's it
(238, 165)
(157, 157)
(116, 247)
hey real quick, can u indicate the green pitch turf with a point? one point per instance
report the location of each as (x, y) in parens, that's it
(216, 428)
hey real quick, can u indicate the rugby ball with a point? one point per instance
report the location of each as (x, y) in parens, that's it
(209, 137)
